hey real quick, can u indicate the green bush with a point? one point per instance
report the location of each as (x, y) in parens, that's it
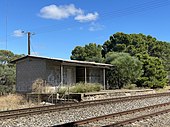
(130, 86)
(6, 89)
(81, 88)
(62, 90)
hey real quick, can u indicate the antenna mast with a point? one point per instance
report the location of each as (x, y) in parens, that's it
(6, 25)
(6, 29)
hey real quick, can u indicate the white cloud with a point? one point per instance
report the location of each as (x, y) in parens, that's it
(18, 33)
(87, 18)
(59, 12)
(96, 27)
(65, 11)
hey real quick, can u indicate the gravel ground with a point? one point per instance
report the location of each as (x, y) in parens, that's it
(125, 117)
(55, 118)
(156, 121)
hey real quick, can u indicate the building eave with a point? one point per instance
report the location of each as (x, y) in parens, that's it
(73, 62)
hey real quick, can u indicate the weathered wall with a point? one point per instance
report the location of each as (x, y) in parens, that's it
(69, 76)
(95, 75)
(28, 70)
(53, 73)
(53, 70)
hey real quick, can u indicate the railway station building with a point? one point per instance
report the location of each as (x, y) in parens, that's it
(57, 72)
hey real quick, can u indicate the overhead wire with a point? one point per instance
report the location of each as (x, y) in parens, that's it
(6, 25)
(32, 47)
(124, 12)
(142, 6)
(138, 8)
(112, 15)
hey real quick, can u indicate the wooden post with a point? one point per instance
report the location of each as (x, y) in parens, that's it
(38, 98)
(45, 86)
(29, 34)
(104, 77)
(61, 74)
(85, 75)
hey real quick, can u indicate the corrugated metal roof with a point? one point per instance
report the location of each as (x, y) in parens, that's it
(64, 60)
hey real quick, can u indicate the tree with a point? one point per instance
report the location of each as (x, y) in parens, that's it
(154, 74)
(7, 79)
(2, 77)
(7, 71)
(152, 53)
(7, 56)
(10, 74)
(126, 70)
(135, 44)
(90, 52)
(78, 53)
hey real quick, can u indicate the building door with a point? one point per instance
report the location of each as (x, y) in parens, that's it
(80, 74)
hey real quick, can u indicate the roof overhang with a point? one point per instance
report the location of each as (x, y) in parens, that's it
(63, 61)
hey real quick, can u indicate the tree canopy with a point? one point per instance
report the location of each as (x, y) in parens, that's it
(7, 70)
(138, 43)
(154, 75)
(126, 70)
(90, 52)
(152, 53)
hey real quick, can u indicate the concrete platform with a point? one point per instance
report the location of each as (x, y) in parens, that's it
(108, 94)
(87, 96)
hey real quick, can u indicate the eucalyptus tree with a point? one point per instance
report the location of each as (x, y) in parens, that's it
(126, 69)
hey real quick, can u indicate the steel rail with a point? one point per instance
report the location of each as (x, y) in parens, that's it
(94, 119)
(129, 121)
(51, 108)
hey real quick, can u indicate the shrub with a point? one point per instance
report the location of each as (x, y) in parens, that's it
(62, 90)
(6, 89)
(130, 86)
(81, 88)
(38, 86)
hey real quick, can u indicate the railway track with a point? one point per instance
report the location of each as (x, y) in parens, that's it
(52, 108)
(121, 118)
(130, 121)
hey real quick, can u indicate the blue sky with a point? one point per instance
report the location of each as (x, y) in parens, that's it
(60, 25)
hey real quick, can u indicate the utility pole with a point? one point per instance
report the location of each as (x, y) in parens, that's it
(29, 35)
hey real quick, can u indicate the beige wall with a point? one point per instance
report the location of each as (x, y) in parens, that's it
(53, 73)
(28, 70)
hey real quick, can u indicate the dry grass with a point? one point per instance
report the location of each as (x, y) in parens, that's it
(165, 89)
(38, 86)
(13, 101)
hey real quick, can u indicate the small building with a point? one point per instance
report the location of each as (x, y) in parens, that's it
(57, 72)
